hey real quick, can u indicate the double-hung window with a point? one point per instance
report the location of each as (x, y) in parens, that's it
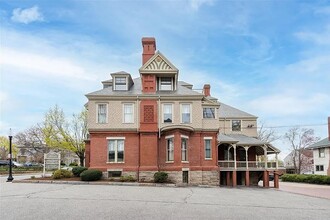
(169, 149)
(236, 125)
(185, 113)
(208, 113)
(116, 150)
(319, 168)
(128, 112)
(208, 149)
(165, 83)
(167, 113)
(184, 149)
(321, 152)
(120, 83)
(102, 110)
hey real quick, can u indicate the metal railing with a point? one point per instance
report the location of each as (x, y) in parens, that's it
(248, 164)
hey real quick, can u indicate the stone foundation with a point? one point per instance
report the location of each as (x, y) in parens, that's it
(194, 177)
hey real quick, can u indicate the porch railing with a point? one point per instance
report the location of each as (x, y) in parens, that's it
(248, 164)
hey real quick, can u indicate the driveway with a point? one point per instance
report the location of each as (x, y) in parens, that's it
(321, 191)
(63, 201)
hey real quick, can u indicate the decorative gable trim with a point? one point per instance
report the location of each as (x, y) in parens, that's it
(158, 63)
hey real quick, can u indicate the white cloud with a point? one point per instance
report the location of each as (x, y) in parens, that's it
(319, 38)
(288, 103)
(27, 15)
(196, 4)
(41, 65)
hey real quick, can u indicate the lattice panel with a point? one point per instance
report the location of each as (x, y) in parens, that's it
(148, 113)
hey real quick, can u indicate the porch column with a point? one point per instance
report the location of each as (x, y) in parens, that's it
(235, 166)
(227, 178)
(234, 178)
(246, 156)
(247, 178)
(276, 159)
(266, 179)
(276, 179)
(265, 155)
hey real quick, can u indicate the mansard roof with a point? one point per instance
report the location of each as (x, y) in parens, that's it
(227, 111)
(136, 89)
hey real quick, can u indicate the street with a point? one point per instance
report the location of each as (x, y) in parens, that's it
(65, 201)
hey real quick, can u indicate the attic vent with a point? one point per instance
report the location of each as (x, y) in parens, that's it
(148, 113)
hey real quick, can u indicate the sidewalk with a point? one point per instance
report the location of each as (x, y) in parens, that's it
(320, 191)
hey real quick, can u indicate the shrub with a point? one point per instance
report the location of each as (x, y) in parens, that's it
(78, 170)
(59, 174)
(306, 178)
(73, 164)
(127, 179)
(160, 177)
(91, 175)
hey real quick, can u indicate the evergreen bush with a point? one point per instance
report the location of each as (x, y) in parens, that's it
(91, 175)
(78, 170)
(160, 177)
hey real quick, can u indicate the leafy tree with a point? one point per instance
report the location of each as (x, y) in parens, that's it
(4, 148)
(61, 134)
(299, 139)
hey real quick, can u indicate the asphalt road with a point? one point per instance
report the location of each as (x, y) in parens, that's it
(63, 201)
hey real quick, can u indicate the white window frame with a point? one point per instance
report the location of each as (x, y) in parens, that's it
(183, 137)
(213, 112)
(164, 112)
(206, 139)
(124, 114)
(232, 121)
(319, 166)
(116, 139)
(321, 154)
(115, 84)
(181, 112)
(160, 84)
(97, 113)
(168, 149)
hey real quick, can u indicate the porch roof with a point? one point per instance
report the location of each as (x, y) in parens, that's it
(243, 140)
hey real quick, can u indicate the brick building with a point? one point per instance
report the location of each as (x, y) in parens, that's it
(158, 123)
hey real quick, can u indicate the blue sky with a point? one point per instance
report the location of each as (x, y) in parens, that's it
(269, 58)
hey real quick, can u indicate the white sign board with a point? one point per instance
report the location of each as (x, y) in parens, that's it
(52, 161)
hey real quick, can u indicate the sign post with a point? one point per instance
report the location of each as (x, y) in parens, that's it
(52, 161)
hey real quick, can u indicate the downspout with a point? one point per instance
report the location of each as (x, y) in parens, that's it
(158, 142)
(137, 129)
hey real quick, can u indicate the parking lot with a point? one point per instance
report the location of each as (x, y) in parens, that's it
(64, 201)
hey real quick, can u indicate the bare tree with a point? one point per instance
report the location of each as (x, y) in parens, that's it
(299, 139)
(32, 142)
(267, 134)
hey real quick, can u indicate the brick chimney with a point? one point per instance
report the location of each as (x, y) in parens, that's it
(149, 48)
(207, 90)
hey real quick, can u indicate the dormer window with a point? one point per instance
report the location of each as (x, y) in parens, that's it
(166, 83)
(120, 83)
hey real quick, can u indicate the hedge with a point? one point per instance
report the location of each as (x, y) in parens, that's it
(306, 178)
(78, 170)
(160, 177)
(91, 175)
(59, 174)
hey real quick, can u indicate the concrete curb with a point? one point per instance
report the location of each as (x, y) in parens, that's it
(111, 183)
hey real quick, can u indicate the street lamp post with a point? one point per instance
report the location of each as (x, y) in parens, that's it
(10, 177)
